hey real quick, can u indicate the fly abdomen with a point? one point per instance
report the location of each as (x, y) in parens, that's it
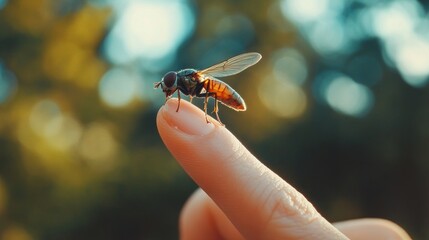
(225, 94)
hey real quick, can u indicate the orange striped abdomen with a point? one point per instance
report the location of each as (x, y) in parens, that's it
(225, 94)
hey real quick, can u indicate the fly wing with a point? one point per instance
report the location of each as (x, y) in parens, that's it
(233, 65)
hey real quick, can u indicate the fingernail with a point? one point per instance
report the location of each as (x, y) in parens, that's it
(189, 119)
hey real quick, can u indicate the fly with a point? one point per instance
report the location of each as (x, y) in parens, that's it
(204, 83)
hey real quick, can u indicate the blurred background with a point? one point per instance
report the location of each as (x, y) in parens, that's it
(338, 106)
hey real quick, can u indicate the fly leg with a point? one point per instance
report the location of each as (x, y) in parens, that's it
(190, 98)
(206, 96)
(216, 109)
(206, 99)
(178, 104)
(216, 106)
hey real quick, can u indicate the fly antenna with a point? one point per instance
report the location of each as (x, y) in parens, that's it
(156, 85)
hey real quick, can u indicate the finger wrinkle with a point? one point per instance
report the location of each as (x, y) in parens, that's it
(290, 212)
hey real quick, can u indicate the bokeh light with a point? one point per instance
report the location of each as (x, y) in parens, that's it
(148, 29)
(335, 39)
(401, 26)
(411, 58)
(395, 19)
(119, 87)
(284, 99)
(343, 94)
(43, 115)
(289, 65)
(59, 129)
(305, 10)
(281, 92)
(320, 18)
(98, 146)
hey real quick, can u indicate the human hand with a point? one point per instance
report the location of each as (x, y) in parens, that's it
(239, 197)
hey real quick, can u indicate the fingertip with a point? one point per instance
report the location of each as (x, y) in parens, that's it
(201, 148)
(195, 221)
(185, 133)
(184, 117)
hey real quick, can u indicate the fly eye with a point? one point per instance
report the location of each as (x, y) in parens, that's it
(169, 79)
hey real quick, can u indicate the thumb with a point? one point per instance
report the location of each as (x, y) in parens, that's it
(258, 202)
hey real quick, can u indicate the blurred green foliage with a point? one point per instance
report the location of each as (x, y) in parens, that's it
(74, 167)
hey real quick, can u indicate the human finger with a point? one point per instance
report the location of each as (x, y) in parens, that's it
(201, 218)
(257, 201)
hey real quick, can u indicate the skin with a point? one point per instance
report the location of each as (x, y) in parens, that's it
(239, 197)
